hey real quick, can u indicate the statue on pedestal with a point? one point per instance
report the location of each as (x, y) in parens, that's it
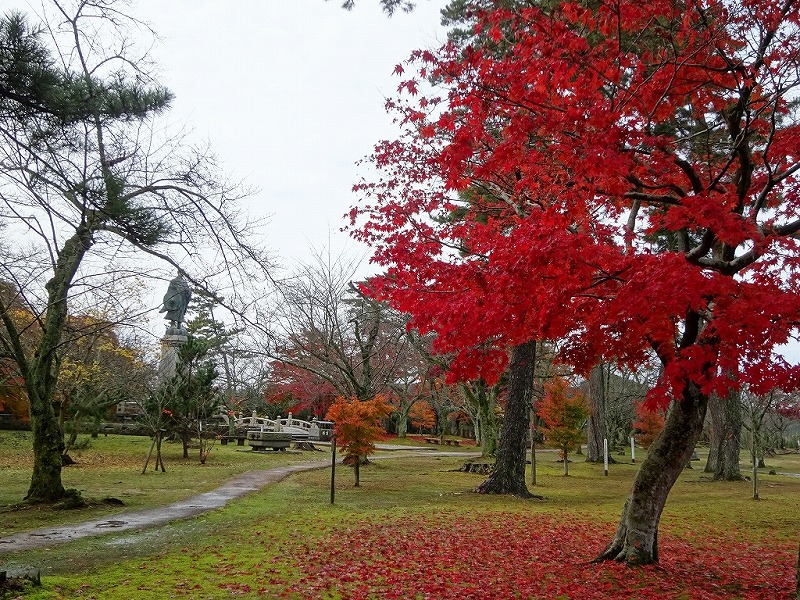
(176, 301)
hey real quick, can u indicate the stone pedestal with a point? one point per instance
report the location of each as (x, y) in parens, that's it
(172, 340)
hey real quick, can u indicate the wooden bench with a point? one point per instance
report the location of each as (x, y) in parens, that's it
(433, 440)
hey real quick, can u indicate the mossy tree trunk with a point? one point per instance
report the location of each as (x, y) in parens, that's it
(508, 475)
(486, 397)
(402, 416)
(41, 374)
(481, 400)
(636, 538)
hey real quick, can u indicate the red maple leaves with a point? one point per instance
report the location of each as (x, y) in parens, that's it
(502, 556)
(622, 178)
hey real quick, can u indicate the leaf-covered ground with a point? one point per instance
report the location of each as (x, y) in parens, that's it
(504, 556)
(413, 530)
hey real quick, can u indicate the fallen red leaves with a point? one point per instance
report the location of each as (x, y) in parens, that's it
(506, 556)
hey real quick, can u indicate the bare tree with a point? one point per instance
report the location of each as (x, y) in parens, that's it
(612, 394)
(324, 324)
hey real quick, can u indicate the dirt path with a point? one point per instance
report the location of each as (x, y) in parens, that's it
(153, 517)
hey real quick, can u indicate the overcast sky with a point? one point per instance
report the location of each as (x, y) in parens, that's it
(290, 94)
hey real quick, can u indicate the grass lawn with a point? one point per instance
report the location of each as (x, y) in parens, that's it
(112, 467)
(414, 530)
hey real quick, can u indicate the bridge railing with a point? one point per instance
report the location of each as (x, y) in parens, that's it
(313, 430)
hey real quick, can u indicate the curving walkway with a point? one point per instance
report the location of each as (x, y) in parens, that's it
(153, 517)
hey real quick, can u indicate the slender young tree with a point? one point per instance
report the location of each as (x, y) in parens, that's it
(359, 424)
(192, 396)
(564, 413)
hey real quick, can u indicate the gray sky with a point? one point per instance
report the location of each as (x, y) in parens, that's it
(290, 94)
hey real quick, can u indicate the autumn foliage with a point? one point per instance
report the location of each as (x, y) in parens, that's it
(789, 408)
(445, 556)
(649, 422)
(564, 411)
(422, 415)
(358, 424)
(576, 143)
(296, 390)
(621, 177)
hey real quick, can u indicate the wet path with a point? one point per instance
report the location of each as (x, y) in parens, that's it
(153, 517)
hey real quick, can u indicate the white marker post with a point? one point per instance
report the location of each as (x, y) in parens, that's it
(633, 451)
(605, 456)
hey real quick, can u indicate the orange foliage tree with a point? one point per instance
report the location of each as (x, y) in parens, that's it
(422, 415)
(359, 424)
(564, 412)
(13, 399)
(649, 423)
(13, 396)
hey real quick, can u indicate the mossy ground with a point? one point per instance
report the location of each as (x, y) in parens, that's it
(272, 543)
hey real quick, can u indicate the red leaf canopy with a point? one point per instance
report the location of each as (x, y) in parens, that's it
(621, 177)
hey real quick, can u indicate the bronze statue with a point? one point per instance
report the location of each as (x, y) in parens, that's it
(176, 300)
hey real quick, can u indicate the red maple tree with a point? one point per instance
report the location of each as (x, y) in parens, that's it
(649, 423)
(299, 389)
(422, 415)
(789, 407)
(621, 177)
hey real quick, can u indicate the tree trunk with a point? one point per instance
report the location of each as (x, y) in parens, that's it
(636, 539)
(487, 420)
(41, 374)
(596, 426)
(356, 470)
(508, 476)
(714, 434)
(73, 436)
(159, 457)
(185, 441)
(481, 399)
(402, 423)
(725, 434)
(48, 447)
